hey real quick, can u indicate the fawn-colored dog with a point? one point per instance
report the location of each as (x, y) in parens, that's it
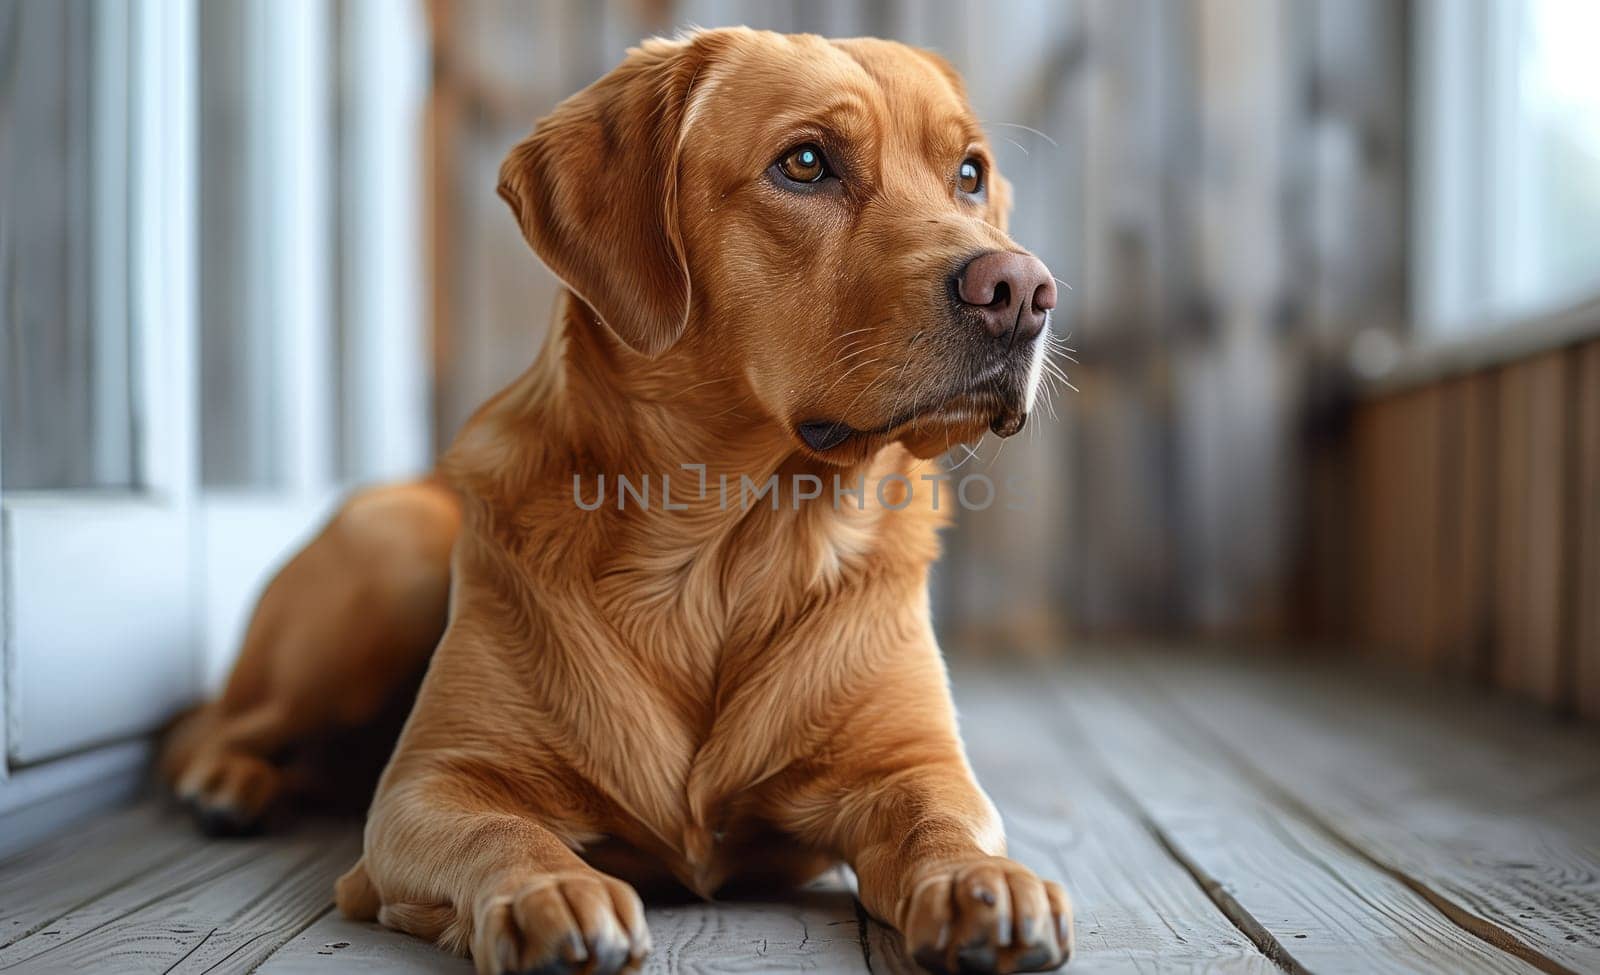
(784, 256)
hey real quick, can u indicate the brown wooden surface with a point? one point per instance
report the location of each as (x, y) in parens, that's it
(1529, 545)
(1585, 592)
(1399, 452)
(1311, 902)
(1465, 560)
(1376, 429)
(1484, 807)
(1477, 514)
(1207, 813)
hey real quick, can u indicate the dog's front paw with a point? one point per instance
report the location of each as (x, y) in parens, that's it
(989, 915)
(559, 924)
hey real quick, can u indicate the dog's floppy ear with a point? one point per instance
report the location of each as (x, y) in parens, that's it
(595, 189)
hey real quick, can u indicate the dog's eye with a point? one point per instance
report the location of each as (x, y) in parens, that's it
(804, 164)
(970, 176)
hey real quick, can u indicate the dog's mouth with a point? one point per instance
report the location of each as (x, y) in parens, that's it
(987, 402)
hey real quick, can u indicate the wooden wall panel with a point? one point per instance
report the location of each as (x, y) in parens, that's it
(1528, 540)
(1419, 524)
(1465, 568)
(1585, 592)
(1476, 501)
(1374, 430)
(1510, 522)
(1398, 456)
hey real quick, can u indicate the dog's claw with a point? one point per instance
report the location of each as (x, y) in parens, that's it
(222, 823)
(563, 925)
(992, 916)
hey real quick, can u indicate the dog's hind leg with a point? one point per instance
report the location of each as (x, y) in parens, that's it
(338, 638)
(219, 766)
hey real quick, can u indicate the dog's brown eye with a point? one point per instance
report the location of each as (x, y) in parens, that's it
(970, 176)
(804, 164)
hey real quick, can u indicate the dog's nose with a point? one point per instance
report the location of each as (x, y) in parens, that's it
(1010, 291)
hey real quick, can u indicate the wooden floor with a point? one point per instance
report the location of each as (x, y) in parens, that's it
(1206, 813)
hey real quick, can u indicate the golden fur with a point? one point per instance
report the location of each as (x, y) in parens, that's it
(638, 696)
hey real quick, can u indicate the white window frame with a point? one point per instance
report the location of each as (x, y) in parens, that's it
(99, 612)
(120, 607)
(1464, 57)
(1463, 196)
(245, 534)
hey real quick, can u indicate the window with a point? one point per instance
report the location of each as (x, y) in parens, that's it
(210, 303)
(68, 363)
(95, 463)
(311, 358)
(1507, 178)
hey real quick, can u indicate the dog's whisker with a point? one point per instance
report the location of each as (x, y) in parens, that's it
(1027, 128)
(839, 339)
(866, 389)
(698, 385)
(963, 462)
(904, 365)
(865, 348)
(1000, 450)
(848, 373)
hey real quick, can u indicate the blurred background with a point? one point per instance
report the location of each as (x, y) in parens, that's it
(1333, 266)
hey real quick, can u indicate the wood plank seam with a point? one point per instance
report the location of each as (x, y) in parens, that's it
(1231, 909)
(1482, 928)
(1483, 623)
(78, 906)
(241, 946)
(290, 933)
(273, 950)
(256, 905)
(183, 848)
(1136, 908)
(289, 877)
(1570, 561)
(185, 956)
(205, 877)
(330, 909)
(1235, 913)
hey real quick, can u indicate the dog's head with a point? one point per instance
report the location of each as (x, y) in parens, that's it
(819, 220)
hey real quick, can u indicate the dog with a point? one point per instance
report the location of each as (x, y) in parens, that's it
(785, 266)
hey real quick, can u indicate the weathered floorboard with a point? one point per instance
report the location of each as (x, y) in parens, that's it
(1205, 813)
(1136, 909)
(221, 906)
(1487, 809)
(333, 944)
(815, 931)
(1312, 903)
(77, 867)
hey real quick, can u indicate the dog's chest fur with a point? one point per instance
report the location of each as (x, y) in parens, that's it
(676, 663)
(698, 618)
